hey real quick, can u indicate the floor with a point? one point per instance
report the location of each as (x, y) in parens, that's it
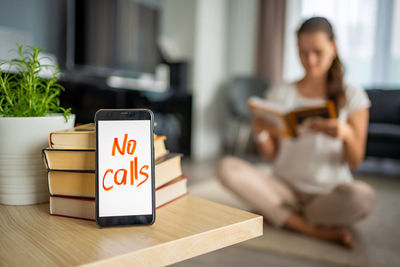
(240, 255)
(377, 239)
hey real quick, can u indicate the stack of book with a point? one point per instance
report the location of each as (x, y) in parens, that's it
(70, 161)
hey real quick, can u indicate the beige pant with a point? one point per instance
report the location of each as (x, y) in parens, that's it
(275, 200)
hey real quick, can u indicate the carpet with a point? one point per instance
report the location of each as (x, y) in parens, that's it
(377, 239)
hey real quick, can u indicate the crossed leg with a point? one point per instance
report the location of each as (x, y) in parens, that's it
(266, 194)
(325, 217)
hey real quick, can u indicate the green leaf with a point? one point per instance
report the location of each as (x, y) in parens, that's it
(25, 93)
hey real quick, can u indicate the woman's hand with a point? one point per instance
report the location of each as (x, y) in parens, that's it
(331, 127)
(266, 137)
(259, 124)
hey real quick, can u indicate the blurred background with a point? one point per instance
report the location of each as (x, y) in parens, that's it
(195, 63)
(181, 57)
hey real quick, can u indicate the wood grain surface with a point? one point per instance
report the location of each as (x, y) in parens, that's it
(187, 227)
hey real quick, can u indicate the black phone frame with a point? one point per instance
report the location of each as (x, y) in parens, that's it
(125, 114)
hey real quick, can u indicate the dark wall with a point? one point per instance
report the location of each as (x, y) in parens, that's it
(43, 20)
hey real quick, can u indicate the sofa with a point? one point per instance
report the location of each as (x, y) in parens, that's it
(384, 123)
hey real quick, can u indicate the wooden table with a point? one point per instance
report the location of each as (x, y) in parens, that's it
(188, 227)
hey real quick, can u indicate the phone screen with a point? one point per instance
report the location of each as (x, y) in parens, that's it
(124, 168)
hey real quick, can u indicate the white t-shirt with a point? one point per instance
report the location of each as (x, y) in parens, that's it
(313, 162)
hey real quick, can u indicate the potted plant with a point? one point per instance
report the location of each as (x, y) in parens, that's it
(29, 110)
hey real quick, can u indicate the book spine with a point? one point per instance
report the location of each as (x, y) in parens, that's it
(332, 109)
(44, 158)
(291, 131)
(50, 142)
(48, 182)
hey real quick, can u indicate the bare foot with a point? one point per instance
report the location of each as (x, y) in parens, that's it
(340, 235)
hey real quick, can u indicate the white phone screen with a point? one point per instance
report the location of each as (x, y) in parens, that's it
(124, 167)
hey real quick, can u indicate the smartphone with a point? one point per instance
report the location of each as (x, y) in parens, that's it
(124, 167)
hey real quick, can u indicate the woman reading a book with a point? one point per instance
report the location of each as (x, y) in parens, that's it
(311, 190)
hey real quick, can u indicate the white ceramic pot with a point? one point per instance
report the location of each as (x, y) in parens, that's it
(23, 176)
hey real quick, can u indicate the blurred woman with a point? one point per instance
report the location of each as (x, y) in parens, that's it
(312, 190)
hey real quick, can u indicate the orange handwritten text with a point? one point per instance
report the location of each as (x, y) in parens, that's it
(131, 146)
(104, 177)
(135, 173)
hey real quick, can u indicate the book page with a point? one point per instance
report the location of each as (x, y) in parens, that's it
(268, 106)
(271, 112)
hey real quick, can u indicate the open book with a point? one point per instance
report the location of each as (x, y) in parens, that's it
(288, 121)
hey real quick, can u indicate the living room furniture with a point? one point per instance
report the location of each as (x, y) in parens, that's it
(172, 109)
(384, 124)
(238, 92)
(185, 228)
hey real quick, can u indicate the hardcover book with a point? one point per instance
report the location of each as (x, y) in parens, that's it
(84, 208)
(167, 169)
(83, 137)
(74, 184)
(80, 137)
(288, 121)
(78, 183)
(84, 159)
(171, 191)
(80, 208)
(67, 159)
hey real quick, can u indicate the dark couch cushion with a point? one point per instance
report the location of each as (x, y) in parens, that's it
(383, 149)
(384, 130)
(385, 105)
(383, 140)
